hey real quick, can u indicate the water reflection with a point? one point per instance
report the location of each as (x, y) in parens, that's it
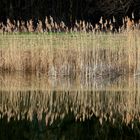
(54, 102)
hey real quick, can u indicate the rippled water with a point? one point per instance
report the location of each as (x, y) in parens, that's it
(39, 107)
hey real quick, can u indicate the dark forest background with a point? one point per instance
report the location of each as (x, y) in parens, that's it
(68, 10)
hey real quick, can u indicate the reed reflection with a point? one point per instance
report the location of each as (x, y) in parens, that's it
(50, 98)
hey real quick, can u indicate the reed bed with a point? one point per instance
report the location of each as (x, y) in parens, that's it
(48, 25)
(31, 82)
(82, 50)
(73, 54)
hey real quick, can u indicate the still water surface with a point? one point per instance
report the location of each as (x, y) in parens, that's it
(38, 107)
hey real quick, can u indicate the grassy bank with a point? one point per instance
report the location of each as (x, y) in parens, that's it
(72, 54)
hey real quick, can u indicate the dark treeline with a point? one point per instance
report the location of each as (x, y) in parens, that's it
(68, 10)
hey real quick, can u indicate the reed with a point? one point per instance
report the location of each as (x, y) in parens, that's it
(82, 50)
(71, 54)
(50, 25)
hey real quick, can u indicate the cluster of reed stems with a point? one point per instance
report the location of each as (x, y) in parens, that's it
(49, 25)
(83, 54)
(78, 51)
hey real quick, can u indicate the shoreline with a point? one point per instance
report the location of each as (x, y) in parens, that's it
(83, 54)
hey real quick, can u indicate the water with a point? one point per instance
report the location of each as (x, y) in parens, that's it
(38, 107)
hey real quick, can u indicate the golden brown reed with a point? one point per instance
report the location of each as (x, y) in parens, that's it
(84, 54)
(50, 25)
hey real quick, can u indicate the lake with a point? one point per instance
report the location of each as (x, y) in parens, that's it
(40, 107)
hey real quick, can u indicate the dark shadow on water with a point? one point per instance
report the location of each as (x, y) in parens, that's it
(67, 129)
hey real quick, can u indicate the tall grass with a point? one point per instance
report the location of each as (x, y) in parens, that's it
(84, 49)
(72, 54)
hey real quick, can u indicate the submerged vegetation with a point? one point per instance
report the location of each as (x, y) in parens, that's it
(49, 25)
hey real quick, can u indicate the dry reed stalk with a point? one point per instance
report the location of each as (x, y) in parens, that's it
(104, 25)
(85, 54)
(30, 26)
(39, 27)
(129, 24)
